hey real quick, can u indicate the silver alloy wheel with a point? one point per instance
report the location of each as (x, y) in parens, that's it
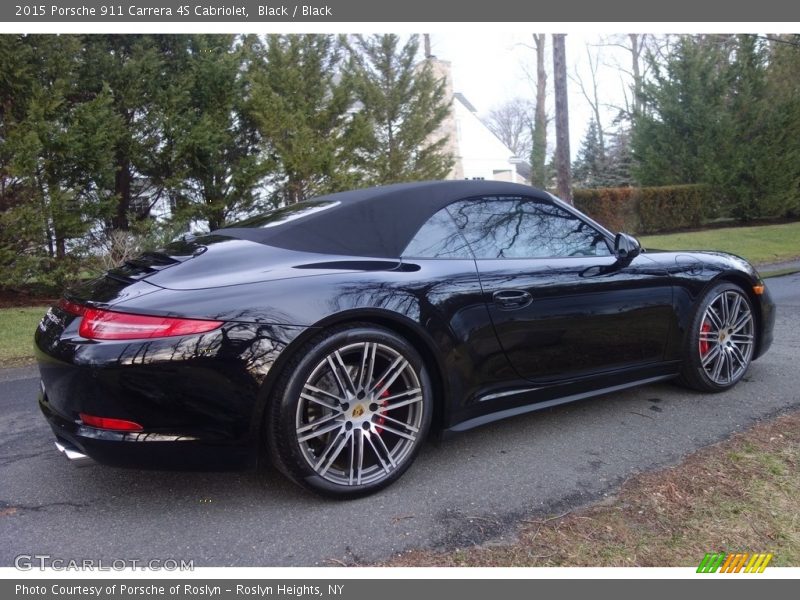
(726, 337)
(359, 414)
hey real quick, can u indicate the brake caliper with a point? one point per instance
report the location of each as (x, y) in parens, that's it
(704, 345)
(381, 419)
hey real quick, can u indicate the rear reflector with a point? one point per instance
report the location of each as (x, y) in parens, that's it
(107, 423)
(111, 325)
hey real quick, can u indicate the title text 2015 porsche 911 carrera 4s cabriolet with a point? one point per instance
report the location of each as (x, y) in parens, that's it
(336, 333)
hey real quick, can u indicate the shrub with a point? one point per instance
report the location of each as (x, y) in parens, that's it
(649, 209)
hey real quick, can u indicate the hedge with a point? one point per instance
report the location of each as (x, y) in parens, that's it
(648, 209)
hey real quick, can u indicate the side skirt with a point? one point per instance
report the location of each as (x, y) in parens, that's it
(513, 412)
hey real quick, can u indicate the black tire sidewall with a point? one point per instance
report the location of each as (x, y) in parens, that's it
(285, 449)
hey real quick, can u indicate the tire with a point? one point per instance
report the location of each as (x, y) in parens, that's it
(721, 340)
(350, 411)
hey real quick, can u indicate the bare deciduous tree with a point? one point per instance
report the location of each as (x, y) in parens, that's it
(589, 90)
(512, 122)
(539, 133)
(562, 157)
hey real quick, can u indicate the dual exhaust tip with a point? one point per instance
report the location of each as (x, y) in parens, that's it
(74, 455)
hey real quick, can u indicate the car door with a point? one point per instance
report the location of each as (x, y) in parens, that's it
(562, 305)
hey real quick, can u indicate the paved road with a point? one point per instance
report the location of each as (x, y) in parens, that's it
(465, 490)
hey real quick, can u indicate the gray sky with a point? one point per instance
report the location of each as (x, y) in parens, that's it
(491, 67)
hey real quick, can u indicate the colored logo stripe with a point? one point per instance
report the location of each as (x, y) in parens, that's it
(734, 563)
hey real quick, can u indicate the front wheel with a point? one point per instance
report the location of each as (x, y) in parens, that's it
(351, 411)
(721, 340)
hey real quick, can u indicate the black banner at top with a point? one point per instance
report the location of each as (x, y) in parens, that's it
(339, 11)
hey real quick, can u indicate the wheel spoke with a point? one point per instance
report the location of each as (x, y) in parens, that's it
(723, 301)
(742, 322)
(735, 310)
(718, 365)
(385, 449)
(401, 404)
(356, 456)
(367, 365)
(340, 373)
(386, 417)
(712, 354)
(319, 432)
(396, 432)
(320, 391)
(737, 354)
(741, 338)
(714, 318)
(368, 437)
(390, 375)
(318, 422)
(335, 454)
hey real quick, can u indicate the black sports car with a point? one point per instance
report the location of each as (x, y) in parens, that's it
(337, 332)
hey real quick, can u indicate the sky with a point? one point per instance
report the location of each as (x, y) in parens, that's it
(493, 67)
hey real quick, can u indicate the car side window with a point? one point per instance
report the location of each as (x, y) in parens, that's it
(439, 237)
(519, 227)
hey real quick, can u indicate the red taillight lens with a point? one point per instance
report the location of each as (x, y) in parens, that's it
(71, 308)
(107, 423)
(110, 325)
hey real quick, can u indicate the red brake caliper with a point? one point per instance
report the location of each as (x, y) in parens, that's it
(704, 345)
(381, 419)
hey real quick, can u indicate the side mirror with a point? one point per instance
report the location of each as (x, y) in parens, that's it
(626, 247)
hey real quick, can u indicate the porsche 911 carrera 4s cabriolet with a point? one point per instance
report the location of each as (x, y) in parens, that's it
(335, 334)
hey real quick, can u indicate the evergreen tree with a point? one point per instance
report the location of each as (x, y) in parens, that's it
(722, 111)
(782, 131)
(133, 69)
(402, 105)
(216, 142)
(589, 169)
(301, 105)
(619, 159)
(676, 138)
(58, 143)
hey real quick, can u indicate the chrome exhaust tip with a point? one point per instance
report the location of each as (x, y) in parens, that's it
(74, 455)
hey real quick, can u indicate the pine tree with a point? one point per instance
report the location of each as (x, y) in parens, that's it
(402, 105)
(58, 145)
(619, 160)
(589, 168)
(216, 142)
(301, 106)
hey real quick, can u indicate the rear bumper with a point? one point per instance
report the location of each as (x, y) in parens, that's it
(82, 445)
(198, 398)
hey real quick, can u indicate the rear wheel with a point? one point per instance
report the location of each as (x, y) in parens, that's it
(351, 412)
(721, 340)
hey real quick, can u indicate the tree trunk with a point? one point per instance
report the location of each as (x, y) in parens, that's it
(539, 152)
(122, 190)
(564, 187)
(636, 52)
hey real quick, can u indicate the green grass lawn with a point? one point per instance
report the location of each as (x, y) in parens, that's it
(760, 244)
(16, 334)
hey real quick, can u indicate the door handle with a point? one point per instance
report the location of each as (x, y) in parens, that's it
(512, 299)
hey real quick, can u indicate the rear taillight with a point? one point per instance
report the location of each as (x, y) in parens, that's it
(111, 325)
(109, 423)
(72, 308)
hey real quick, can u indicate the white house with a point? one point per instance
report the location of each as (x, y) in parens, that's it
(478, 153)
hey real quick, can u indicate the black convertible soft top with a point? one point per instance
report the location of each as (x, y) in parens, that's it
(375, 222)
